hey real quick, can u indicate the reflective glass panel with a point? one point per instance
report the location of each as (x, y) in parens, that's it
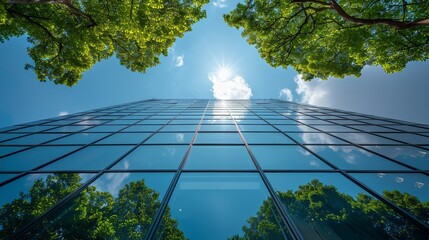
(79, 138)
(223, 206)
(218, 138)
(412, 156)
(219, 157)
(354, 158)
(153, 157)
(254, 138)
(32, 129)
(33, 139)
(7, 150)
(125, 138)
(89, 158)
(34, 157)
(407, 190)
(6, 136)
(329, 206)
(31, 195)
(286, 158)
(105, 128)
(296, 128)
(315, 138)
(257, 128)
(407, 137)
(6, 176)
(142, 128)
(115, 206)
(170, 138)
(69, 129)
(364, 138)
(218, 127)
(179, 128)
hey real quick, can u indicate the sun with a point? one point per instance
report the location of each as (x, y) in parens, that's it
(224, 72)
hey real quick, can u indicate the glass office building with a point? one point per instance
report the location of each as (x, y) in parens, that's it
(212, 169)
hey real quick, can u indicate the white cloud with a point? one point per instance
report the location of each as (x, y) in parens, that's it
(230, 88)
(63, 113)
(401, 95)
(220, 3)
(286, 93)
(180, 60)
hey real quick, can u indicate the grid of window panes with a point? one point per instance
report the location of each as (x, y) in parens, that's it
(213, 169)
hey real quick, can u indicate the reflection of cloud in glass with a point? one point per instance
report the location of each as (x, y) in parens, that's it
(169, 151)
(419, 184)
(399, 179)
(115, 180)
(180, 137)
(351, 159)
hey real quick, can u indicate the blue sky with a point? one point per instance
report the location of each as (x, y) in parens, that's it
(192, 70)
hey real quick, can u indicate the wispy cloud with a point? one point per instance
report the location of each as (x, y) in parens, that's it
(63, 113)
(230, 88)
(180, 60)
(220, 3)
(286, 93)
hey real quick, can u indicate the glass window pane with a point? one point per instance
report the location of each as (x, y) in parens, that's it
(142, 128)
(334, 128)
(412, 156)
(6, 176)
(32, 129)
(153, 157)
(6, 136)
(34, 157)
(364, 138)
(115, 206)
(90, 158)
(8, 150)
(31, 195)
(125, 138)
(33, 139)
(407, 137)
(179, 128)
(218, 138)
(105, 128)
(329, 206)
(219, 157)
(79, 138)
(257, 128)
(254, 138)
(70, 129)
(315, 138)
(286, 158)
(170, 138)
(218, 127)
(354, 158)
(296, 128)
(223, 206)
(407, 190)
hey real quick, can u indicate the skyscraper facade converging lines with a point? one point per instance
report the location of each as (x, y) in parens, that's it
(213, 169)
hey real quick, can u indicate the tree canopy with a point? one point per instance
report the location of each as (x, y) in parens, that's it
(93, 214)
(68, 37)
(322, 212)
(323, 38)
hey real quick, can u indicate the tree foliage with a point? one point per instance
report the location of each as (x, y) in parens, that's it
(92, 215)
(321, 211)
(69, 36)
(323, 38)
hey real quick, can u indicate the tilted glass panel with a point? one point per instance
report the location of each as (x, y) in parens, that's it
(222, 206)
(122, 122)
(170, 138)
(6, 176)
(286, 158)
(142, 128)
(218, 127)
(31, 195)
(329, 206)
(34, 157)
(407, 137)
(364, 138)
(79, 138)
(219, 157)
(372, 128)
(32, 129)
(354, 158)
(408, 128)
(407, 190)
(7, 150)
(69, 129)
(115, 206)
(6, 136)
(218, 138)
(315, 138)
(296, 128)
(125, 138)
(257, 128)
(105, 128)
(89, 158)
(153, 157)
(179, 128)
(254, 138)
(334, 128)
(412, 156)
(33, 139)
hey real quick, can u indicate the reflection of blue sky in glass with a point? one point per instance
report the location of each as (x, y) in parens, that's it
(219, 157)
(416, 157)
(349, 157)
(210, 205)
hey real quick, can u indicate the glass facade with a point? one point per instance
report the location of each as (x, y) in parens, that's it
(213, 169)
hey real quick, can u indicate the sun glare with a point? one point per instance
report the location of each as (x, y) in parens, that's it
(224, 72)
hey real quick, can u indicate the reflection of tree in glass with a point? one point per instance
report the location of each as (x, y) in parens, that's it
(69, 36)
(321, 211)
(93, 214)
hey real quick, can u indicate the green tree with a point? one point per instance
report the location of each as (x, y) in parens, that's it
(69, 36)
(321, 211)
(92, 214)
(323, 38)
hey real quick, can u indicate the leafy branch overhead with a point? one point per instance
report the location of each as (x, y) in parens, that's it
(323, 38)
(68, 37)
